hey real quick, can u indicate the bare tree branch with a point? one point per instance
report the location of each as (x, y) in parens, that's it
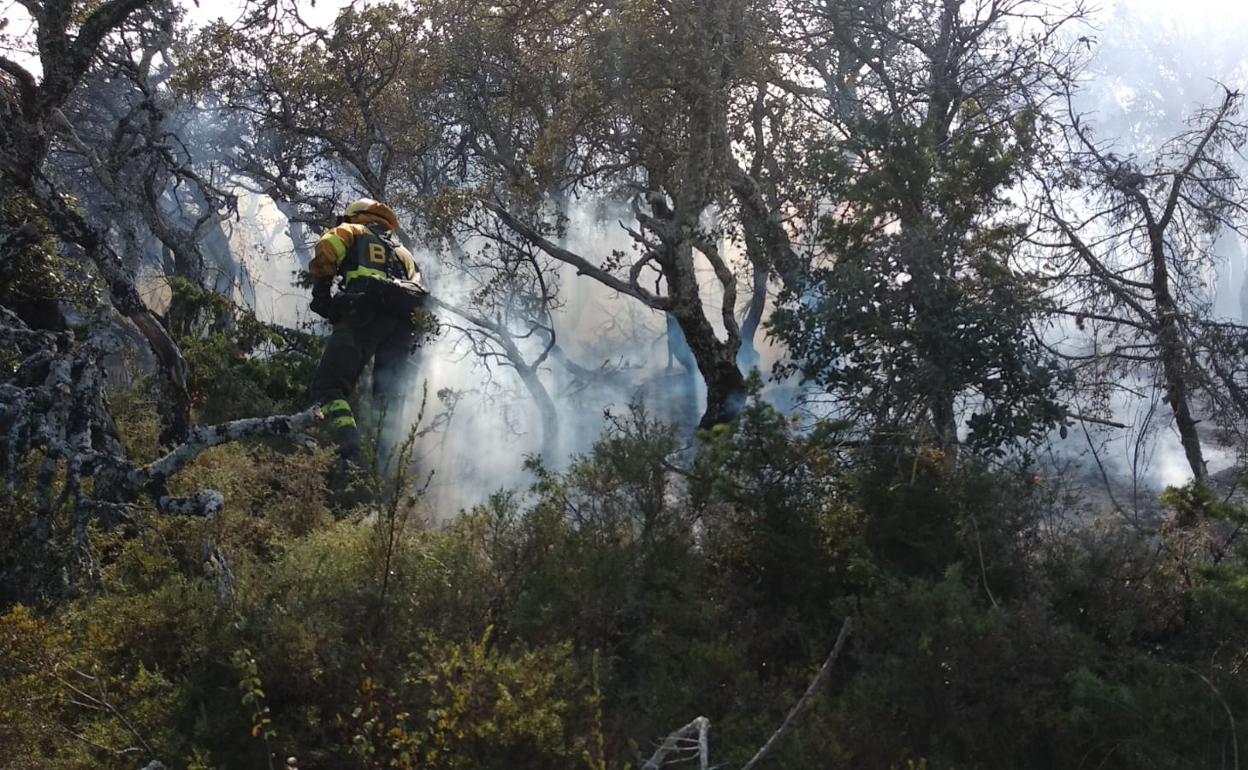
(816, 683)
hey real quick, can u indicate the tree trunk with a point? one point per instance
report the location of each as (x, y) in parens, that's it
(1174, 355)
(716, 359)
(175, 408)
(298, 232)
(547, 415)
(758, 256)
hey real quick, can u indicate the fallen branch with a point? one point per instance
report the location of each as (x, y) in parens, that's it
(55, 406)
(811, 689)
(204, 437)
(692, 736)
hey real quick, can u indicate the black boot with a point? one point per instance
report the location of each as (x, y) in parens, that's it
(350, 450)
(348, 479)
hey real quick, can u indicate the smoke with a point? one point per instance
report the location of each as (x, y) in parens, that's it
(618, 346)
(478, 423)
(260, 241)
(1153, 63)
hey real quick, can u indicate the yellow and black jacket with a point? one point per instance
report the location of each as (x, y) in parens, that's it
(357, 251)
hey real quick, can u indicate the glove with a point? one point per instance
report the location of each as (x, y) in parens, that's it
(322, 304)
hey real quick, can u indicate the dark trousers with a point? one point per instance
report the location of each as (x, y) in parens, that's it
(362, 335)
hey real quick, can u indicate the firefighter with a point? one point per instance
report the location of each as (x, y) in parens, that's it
(371, 314)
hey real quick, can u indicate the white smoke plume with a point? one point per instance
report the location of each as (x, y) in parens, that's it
(1153, 62)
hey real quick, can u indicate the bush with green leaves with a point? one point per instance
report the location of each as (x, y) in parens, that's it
(238, 365)
(580, 620)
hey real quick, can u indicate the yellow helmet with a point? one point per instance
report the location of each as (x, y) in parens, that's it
(367, 207)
